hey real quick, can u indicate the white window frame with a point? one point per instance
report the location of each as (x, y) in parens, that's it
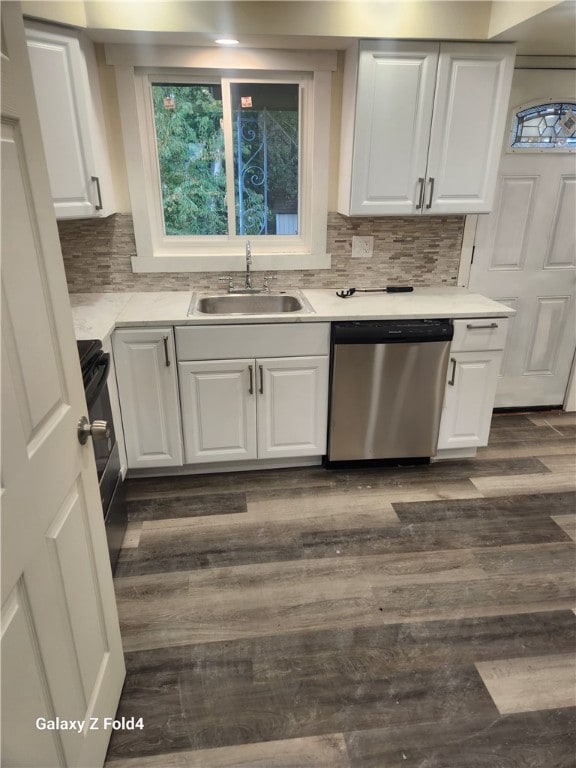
(157, 252)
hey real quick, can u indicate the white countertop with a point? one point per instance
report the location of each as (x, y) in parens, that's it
(97, 314)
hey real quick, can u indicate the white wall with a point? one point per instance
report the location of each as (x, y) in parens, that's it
(529, 84)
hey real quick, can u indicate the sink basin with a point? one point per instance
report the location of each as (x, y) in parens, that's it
(250, 304)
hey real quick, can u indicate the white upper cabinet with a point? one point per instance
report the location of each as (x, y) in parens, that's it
(422, 127)
(67, 93)
(468, 125)
(385, 133)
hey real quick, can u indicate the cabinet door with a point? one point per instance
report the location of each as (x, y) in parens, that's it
(395, 92)
(71, 120)
(469, 399)
(218, 410)
(292, 406)
(148, 389)
(470, 108)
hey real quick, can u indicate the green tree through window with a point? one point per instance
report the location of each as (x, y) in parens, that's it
(190, 143)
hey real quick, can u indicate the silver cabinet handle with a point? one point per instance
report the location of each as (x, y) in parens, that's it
(421, 194)
(261, 390)
(475, 327)
(452, 378)
(97, 180)
(98, 430)
(166, 357)
(251, 387)
(429, 203)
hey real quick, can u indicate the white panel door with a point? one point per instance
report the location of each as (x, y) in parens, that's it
(525, 257)
(148, 388)
(393, 115)
(218, 410)
(471, 102)
(468, 400)
(61, 649)
(292, 406)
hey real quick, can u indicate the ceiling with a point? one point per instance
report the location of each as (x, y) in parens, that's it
(551, 33)
(540, 27)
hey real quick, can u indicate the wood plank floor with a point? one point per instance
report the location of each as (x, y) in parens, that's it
(382, 618)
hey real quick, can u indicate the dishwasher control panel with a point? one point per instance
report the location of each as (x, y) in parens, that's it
(391, 331)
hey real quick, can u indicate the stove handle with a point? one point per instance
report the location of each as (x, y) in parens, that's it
(96, 385)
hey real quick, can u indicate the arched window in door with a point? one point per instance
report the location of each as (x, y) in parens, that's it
(550, 125)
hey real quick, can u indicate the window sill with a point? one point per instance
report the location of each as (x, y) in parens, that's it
(272, 263)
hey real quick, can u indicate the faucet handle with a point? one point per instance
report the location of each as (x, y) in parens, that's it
(228, 279)
(267, 279)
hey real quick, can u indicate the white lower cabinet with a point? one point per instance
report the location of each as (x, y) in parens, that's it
(204, 405)
(260, 408)
(218, 410)
(469, 399)
(147, 384)
(475, 361)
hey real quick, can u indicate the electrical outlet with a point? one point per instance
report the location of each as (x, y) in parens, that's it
(362, 247)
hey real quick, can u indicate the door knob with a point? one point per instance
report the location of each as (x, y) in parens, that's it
(98, 430)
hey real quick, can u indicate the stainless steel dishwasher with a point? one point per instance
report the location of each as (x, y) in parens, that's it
(387, 389)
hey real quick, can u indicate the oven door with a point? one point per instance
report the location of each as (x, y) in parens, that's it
(106, 451)
(114, 505)
(98, 402)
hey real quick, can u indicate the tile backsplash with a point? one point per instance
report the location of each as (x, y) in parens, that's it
(416, 250)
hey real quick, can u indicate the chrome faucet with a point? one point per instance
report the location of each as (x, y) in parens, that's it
(248, 278)
(248, 282)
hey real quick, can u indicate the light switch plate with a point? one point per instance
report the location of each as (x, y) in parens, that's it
(362, 246)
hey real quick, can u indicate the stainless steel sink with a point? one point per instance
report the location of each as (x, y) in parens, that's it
(250, 304)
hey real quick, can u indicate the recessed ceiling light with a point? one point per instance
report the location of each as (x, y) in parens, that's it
(226, 41)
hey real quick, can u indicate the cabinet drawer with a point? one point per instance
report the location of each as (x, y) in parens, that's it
(220, 342)
(479, 333)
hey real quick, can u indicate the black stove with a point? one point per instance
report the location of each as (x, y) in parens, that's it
(95, 367)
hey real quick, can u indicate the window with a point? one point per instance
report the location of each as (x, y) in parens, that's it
(190, 143)
(265, 124)
(545, 126)
(217, 157)
(190, 146)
